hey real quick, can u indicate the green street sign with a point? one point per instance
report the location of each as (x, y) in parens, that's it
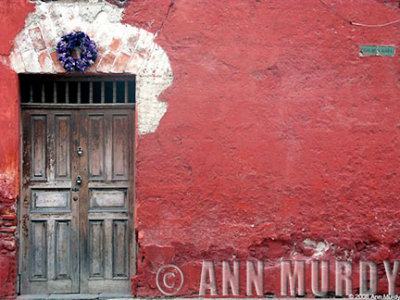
(367, 50)
(385, 50)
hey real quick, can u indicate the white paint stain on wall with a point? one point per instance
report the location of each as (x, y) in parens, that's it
(122, 49)
(319, 248)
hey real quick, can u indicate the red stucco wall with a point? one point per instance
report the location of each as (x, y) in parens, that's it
(276, 132)
(12, 20)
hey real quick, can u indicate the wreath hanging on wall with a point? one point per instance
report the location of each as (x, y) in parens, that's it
(82, 46)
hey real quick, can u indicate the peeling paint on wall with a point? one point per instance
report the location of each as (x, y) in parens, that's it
(122, 49)
(278, 136)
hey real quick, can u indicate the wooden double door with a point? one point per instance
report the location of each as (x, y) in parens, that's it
(76, 210)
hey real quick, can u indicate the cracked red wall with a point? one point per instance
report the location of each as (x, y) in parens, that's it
(13, 14)
(276, 132)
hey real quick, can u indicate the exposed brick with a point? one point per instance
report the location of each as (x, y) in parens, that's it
(129, 43)
(115, 44)
(102, 50)
(45, 61)
(8, 211)
(56, 63)
(135, 63)
(31, 61)
(93, 67)
(120, 63)
(144, 43)
(106, 62)
(9, 217)
(10, 224)
(8, 229)
(132, 40)
(37, 39)
(50, 37)
(23, 42)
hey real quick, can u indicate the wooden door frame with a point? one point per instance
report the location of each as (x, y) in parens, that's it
(132, 199)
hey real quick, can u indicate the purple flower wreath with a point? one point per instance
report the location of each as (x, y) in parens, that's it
(87, 50)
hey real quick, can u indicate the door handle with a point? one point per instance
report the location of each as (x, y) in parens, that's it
(79, 151)
(78, 180)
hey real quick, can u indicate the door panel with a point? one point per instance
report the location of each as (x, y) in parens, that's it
(96, 147)
(120, 149)
(62, 249)
(120, 249)
(107, 199)
(109, 195)
(49, 227)
(39, 147)
(96, 246)
(38, 270)
(77, 238)
(63, 146)
(50, 200)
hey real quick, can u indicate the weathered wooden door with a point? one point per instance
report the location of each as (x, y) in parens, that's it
(77, 200)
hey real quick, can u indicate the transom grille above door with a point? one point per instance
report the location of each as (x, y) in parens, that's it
(44, 89)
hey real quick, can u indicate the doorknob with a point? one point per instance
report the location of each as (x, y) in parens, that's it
(79, 151)
(78, 180)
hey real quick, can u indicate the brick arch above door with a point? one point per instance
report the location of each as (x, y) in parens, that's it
(122, 49)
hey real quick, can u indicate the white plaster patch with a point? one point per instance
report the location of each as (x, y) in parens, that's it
(319, 247)
(102, 22)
